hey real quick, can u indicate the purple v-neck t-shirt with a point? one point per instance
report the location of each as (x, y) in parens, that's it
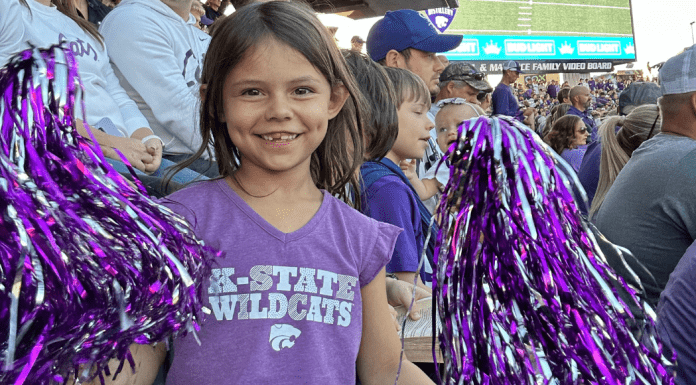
(285, 307)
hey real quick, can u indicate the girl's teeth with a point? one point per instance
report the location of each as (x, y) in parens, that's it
(283, 137)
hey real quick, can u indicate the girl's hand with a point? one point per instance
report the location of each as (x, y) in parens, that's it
(409, 168)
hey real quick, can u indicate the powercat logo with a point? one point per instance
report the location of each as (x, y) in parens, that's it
(283, 336)
(441, 18)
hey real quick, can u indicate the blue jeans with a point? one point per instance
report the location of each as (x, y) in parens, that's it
(182, 177)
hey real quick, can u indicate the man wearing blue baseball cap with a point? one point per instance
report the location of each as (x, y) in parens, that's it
(406, 39)
(505, 102)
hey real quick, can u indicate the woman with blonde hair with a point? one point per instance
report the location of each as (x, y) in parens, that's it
(641, 124)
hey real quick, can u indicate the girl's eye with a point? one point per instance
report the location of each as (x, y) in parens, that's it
(251, 92)
(303, 91)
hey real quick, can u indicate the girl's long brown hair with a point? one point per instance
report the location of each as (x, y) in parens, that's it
(335, 162)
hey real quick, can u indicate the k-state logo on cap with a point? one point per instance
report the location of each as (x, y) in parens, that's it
(441, 18)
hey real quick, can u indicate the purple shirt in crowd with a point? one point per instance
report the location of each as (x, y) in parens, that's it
(504, 102)
(552, 90)
(588, 173)
(528, 94)
(591, 85)
(574, 156)
(286, 307)
(391, 201)
(676, 316)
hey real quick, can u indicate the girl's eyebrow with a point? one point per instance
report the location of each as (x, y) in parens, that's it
(302, 79)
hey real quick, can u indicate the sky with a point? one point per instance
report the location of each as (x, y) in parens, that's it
(661, 29)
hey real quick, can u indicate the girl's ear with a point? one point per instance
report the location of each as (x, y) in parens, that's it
(339, 95)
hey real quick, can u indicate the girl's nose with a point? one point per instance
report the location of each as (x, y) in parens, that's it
(278, 108)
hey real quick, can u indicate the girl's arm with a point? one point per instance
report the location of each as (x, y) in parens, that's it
(148, 359)
(380, 347)
(425, 188)
(409, 277)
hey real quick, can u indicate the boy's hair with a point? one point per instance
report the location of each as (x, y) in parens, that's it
(408, 86)
(335, 162)
(381, 121)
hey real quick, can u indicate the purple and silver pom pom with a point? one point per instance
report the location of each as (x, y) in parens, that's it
(523, 291)
(88, 264)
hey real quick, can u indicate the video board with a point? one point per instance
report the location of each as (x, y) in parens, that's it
(539, 30)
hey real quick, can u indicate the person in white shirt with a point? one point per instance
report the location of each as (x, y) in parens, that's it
(157, 53)
(108, 107)
(11, 30)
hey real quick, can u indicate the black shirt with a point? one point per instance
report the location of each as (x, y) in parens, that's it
(211, 13)
(96, 11)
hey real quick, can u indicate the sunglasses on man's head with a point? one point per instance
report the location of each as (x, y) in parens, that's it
(475, 76)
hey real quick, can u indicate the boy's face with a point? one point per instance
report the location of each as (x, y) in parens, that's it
(414, 130)
(448, 120)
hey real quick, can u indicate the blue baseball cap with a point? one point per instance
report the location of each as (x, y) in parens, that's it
(512, 65)
(406, 28)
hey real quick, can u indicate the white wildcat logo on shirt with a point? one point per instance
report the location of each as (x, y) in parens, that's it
(283, 336)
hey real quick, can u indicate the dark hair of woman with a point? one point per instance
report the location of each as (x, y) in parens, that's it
(562, 133)
(381, 121)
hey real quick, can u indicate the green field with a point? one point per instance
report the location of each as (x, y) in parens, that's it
(547, 17)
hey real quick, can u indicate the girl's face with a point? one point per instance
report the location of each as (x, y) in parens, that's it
(581, 135)
(277, 106)
(414, 130)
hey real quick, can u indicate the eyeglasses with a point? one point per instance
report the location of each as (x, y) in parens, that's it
(583, 130)
(653, 126)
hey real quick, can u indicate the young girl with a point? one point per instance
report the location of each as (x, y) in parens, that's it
(387, 194)
(300, 296)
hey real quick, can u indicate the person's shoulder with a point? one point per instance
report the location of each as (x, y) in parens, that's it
(195, 195)
(387, 185)
(349, 215)
(132, 14)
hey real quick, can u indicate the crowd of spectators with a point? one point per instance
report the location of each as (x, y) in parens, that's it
(142, 62)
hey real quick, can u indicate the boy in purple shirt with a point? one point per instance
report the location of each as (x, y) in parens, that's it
(387, 195)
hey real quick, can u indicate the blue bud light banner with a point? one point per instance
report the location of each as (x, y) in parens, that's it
(537, 30)
(496, 47)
